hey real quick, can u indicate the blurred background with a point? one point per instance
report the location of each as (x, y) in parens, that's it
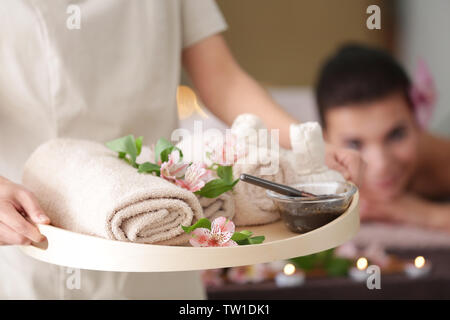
(282, 44)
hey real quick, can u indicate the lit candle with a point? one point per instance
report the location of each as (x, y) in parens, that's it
(359, 273)
(419, 269)
(289, 277)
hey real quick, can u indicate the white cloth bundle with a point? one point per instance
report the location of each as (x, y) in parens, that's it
(308, 155)
(253, 207)
(84, 187)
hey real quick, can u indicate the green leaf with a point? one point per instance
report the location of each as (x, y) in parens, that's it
(325, 256)
(162, 145)
(337, 266)
(138, 142)
(225, 173)
(202, 223)
(306, 262)
(239, 236)
(164, 156)
(333, 266)
(257, 239)
(215, 188)
(149, 167)
(253, 240)
(246, 232)
(125, 145)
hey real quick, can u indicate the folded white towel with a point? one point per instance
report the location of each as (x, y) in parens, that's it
(222, 206)
(84, 187)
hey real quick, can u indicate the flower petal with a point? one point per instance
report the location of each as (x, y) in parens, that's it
(229, 243)
(174, 156)
(223, 237)
(200, 237)
(221, 225)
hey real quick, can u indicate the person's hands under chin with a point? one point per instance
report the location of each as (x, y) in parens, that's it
(19, 212)
(347, 161)
(373, 210)
(399, 209)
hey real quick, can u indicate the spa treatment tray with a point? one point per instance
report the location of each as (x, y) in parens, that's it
(75, 250)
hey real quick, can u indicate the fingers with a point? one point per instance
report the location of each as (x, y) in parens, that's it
(356, 167)
(351, 165)
(364, 210)
(31, 206)
(342, 170)
(10, 237)
(16, 222)
(360, 168)
(19, 210)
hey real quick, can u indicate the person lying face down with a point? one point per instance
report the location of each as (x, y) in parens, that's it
(365, 103)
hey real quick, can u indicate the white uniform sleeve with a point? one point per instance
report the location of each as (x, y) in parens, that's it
(200, 19)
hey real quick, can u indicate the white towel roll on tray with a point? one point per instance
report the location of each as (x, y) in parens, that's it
(222, 206)
(84, 187)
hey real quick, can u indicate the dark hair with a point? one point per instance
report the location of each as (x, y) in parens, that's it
(358, 74)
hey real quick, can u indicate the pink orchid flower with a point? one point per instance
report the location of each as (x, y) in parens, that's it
(377, 255)
(222, 230)
(195, 178)
(238, 275)
(423, 94)
(227, 153)
(253, 273)
(347, 250)
(174, 168)
(212, 277)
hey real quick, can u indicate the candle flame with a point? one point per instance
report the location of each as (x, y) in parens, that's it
(419, 262)
(289, 269)
(362, 263)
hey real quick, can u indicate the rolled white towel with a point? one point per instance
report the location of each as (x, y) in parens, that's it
(212, 208)
(84, 187)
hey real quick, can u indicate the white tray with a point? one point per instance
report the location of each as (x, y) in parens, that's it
(76, 250)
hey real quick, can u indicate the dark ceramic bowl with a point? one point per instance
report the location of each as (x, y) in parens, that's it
(302, 214)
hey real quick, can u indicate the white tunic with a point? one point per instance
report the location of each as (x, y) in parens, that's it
(114, 75)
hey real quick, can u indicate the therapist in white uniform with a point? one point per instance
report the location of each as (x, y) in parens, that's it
(115, 75)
